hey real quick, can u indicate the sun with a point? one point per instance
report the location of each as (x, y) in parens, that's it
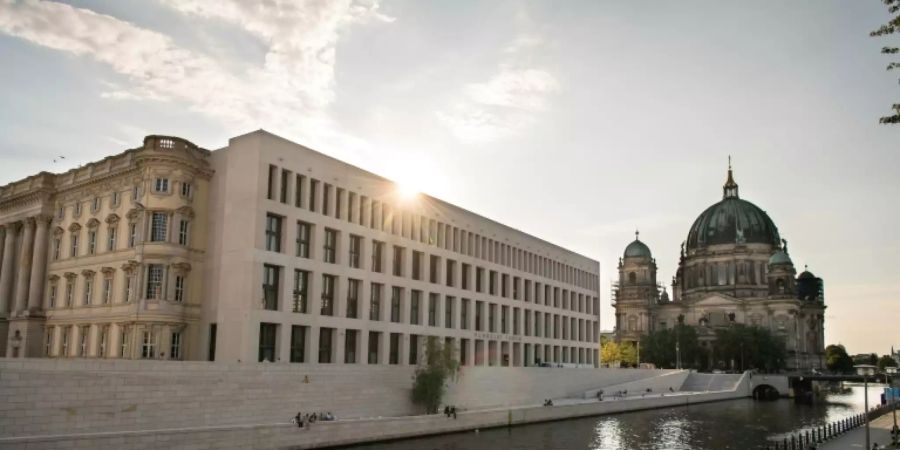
(406, 190)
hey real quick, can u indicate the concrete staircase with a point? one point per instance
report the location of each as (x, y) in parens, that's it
(700, 382)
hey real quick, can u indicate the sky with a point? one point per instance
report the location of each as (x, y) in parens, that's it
(576, 121)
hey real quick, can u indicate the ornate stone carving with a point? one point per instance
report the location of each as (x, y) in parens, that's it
(112, 219)
(129, 266)
(74, 227)
(93, 224)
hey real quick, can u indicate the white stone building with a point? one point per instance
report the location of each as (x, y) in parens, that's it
(734, 269)
(267, 250)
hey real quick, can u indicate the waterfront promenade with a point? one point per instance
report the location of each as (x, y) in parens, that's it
(880, 432)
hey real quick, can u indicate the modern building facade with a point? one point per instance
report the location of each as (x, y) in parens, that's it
(734, 269)
(268, 251)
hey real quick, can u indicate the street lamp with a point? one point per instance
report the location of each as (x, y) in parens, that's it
(866, 370)
(891, 371)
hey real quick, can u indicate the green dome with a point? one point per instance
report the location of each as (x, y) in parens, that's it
(780, 257)
(637, 249)
(732, 221)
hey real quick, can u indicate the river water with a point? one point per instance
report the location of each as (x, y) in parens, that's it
(735, 424)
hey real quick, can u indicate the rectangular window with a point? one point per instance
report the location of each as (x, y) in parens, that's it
(492, 282)
(57, 243)
(394, 355)
(135, 193)
(448, 311)
(111, 238)
(70, 292)
(327, 308)
(74, 250)
(115, 199)
(492, 312)
(432, 309)
(298, 191)
(415, 307)
(95, 205)
(52, 295)
(353, 298)
(464, 275)
(375, 302)
(374, 341)
(298, 344)
(326, 335)
(132, 235)
(326, 199)
(451, 272)
(350, 343)
(304, 232)
(413, 349)
(126, 341)
(129, 284)
(186, 190)
(479, 313)
(504, 312)
(175, 347)
(398, 261)
(435, 267)
(479, 277)
(338, 202)
(270, 287)
(464, 314)
(65, 341)
(103, 338)
(268, 333)
(92, 242)
(396, 303)
(82, 350)
(331, 238)
(162, 185)
(273, 232)
(107, 289)
(77, 208)
(158, 226)
(154, 281)
(301, 291)
(88, 289)
(148, 345)
(183, 232)
(285, 179)
(355, 250)
(270, 184)
(377, 255)
(313, 188)
(417, 265)
(179, 288)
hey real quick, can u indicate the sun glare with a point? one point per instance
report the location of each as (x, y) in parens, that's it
(407, 191)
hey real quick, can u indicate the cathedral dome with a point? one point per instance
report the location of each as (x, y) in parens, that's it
(732, 221)
(637, 249)
(780, 257)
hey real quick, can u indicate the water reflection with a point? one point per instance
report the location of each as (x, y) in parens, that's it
(737, 424)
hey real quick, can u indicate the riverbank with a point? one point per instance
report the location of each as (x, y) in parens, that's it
(355, 431)
(879, 432)
(150, 404)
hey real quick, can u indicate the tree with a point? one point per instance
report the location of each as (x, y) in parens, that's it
(743, 347)
(659, 347)
(613, 352)
(886, 361)
(429, 383)
(892, 27)
(865, 358)
(837, 359)
(628, 354)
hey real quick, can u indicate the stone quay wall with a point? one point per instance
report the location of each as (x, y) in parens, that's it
(59, 396)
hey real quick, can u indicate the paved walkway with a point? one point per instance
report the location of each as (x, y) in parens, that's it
(879, 431)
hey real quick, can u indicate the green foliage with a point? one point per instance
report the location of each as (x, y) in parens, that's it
(430, 379)
(892, 27)
(612, 352)
(837, 359)
(886, 361)
(753, 347)
(865, 358)
(659, 347)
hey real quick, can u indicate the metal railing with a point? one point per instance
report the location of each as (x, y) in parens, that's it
(803, 439)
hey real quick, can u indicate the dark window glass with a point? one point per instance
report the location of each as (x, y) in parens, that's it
(267, 335)
(273, 233)
(325, 337)
(298, 344)
(327, 295)
(304, 231)
(270, 287)
(353, 298)
(301, 291)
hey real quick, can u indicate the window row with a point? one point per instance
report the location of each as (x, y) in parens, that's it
(327, 345)
(419, 266)
(160, 185)
(317, 196)
(162, 282)
(162, 226)
(114, 341)
(415, 307)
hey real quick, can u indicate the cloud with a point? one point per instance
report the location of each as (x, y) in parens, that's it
(505, 104)
(290, 91)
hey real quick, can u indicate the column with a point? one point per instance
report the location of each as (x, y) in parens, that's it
(114, 343)
(38, 265)
(362, 355)
(24, 273)
(339, 341)
(6, 271)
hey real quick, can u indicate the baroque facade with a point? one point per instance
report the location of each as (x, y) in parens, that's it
(266, 250)
(733, 269)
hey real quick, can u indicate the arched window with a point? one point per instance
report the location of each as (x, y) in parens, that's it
(780, 285)
(632, 277)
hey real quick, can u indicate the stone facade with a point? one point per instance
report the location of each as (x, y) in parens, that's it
(105, 261)
(733, 269)
(268, 251)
